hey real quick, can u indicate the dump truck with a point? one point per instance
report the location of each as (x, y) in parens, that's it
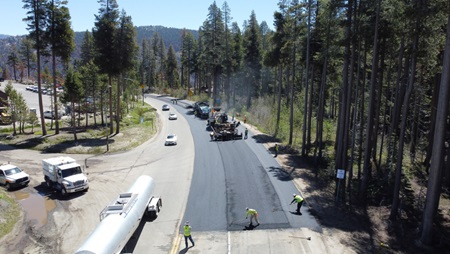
(202, 109)
(64, 174)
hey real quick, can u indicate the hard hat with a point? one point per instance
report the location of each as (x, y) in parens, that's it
(187, 222)
(295, 194)
(246, 208)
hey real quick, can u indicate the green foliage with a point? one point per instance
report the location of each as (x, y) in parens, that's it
(73, 91)
(59, 34)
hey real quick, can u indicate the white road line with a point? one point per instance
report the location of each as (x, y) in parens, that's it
(229, 243)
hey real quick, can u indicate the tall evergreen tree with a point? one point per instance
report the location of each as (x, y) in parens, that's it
(60, 37)
(252, 57)
(73, 93)
(28, 56)
(125, 51)
(188, 49)
(87, 53)
(13, 61)
(172, 69)
(213, 38)
(104, 34)
(36, 21)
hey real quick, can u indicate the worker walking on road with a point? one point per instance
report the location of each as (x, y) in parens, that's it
(253, 214)
(245, 133)
(276, 150)
(299, 200)
(187, 234)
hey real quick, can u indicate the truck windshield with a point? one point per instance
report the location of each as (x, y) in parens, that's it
(12, 171)
(71, 171)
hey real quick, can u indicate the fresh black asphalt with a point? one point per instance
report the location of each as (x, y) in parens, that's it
(232, 175)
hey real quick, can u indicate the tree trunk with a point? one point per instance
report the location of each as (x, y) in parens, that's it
(361, 115)
(291, 106)
(117, 118)
(305, 111)
(310, 108)
(399, 164)
(434, 102)
(72, 120)
(280, 83)
(367, 168)
(344, 104)
(111, 129)
(434, 182)
(321, 110)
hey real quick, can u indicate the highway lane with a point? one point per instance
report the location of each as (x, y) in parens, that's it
(232, 175)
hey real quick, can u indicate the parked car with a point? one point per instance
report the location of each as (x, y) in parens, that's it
(171, 139)
(50, 115)
(172, 116)
(12, 176)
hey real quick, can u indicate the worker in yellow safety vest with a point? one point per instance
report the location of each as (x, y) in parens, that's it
(299, 200)
(187, 234)
(253, 214)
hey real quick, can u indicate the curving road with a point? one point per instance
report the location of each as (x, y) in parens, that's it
(206, 182)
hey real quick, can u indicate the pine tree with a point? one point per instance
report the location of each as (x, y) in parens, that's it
(60, 37)
(36, 21)
(104, 34)
(252, 57)
(73, 93)
(172, 69)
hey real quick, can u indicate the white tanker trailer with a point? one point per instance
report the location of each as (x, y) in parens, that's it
(119, 220)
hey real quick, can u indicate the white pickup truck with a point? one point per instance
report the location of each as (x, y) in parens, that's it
(64, 175)
(12, 176)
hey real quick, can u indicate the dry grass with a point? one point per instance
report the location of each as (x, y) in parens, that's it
(9, 214)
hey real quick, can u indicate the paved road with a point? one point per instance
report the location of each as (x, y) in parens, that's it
(207, 183)
(230, 176)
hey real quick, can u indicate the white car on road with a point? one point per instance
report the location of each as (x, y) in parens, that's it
(172, 116)
(171, 139)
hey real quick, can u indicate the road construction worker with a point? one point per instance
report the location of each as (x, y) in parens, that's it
(299, 200)
(246, 133)
(276, 150)
(253, 214)
(187, 234)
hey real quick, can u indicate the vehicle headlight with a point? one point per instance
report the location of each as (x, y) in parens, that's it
(67, 183)
(11, 180)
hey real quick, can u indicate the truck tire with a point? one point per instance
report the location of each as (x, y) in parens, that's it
(7, 186)
(48, 182)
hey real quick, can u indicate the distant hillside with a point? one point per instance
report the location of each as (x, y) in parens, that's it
(171, 36)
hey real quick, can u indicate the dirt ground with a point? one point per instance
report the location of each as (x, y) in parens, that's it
(366, 229)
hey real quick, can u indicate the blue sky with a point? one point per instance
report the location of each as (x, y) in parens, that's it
(188, 14)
